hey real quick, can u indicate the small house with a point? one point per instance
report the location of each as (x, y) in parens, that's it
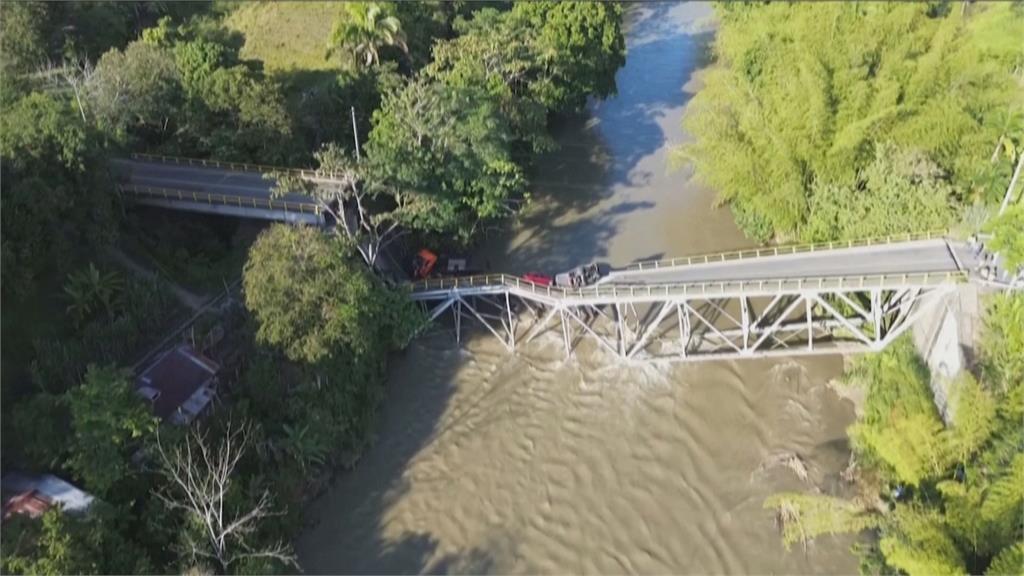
(179, 384)
(32, 495)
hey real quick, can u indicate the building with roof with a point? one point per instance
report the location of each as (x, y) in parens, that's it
(32, 495)
(179, 384)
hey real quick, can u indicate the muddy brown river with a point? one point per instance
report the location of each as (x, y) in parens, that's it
(489, 462)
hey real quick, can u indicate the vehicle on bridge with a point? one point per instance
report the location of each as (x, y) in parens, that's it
(427, 264)
(582, 276)
(538, 278)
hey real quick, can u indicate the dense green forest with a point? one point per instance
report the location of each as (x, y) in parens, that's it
(852, 119)
(450, 102)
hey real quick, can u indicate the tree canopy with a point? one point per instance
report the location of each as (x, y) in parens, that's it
(1008, 236)
(450, 146)
(455, 135)
(108, 422)
(53, 198)
(313, 299)
(807, 95)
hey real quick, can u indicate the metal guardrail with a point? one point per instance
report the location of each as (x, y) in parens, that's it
(439, 288)
(236, 166)
(649, 265)
(221, 199)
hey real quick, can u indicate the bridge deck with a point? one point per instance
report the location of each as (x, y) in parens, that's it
(914, 257)
(209, 189)
(901, 264)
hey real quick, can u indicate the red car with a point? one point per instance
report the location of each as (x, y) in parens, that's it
(538, 278)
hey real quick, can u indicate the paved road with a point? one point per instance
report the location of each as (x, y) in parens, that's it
(199, 179)
(903, 258)
(900, 258)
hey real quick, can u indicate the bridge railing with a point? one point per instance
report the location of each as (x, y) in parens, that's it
(236, 166)
(221, 199)
(646, 266)
(444, 287)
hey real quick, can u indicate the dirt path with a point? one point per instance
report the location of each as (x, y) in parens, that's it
(188, 299)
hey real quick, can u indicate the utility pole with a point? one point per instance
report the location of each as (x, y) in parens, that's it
(355, 133)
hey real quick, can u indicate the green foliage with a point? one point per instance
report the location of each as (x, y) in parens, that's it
(181, 91)
(807, 92)
(448, 148)
(39, 32)
(53, 200)
(45, 547)
(804, 517)
(918, 544)
(40, 424)
(974, 417)
(108, 421)
(162, 35)
(197, 60)
(60, 543)
(423, 24)
(964, 510)
(898, 192)
(1009, 562)
(1004, 502)
(23, 44)
(313, 299)
(1007, 232)
(143, 309)
(498, 53)
(89, 290)
(1002, 342)
(896, 382)
(961, 503)
(581, 45)
(911, 445)
(446, 143)
(239, 116)
(364, 30)
(136, 93)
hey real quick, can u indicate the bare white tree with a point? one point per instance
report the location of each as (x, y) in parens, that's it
(341, 190)
(200, 473)
(73, 74)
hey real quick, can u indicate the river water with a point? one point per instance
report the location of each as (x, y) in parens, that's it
(485, 461)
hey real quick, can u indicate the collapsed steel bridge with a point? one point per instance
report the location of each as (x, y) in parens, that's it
(813, 299)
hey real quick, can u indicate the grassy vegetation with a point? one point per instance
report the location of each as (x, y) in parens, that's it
(286, 36)
(200, 253)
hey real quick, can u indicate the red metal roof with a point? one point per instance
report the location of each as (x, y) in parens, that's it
(30, 503)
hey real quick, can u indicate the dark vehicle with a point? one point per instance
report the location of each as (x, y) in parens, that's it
(582, 276)
(427, 264)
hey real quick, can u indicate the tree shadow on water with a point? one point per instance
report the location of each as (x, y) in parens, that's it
(415, 553)
(351, 528)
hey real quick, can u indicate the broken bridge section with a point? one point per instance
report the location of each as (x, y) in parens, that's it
(693, 321)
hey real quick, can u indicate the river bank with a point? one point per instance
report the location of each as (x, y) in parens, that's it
(487, 462)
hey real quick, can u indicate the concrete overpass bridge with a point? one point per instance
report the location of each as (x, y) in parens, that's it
(212, 187)
(780, 301)
(806, 299)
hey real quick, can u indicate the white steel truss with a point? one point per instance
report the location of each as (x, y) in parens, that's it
(688, 323)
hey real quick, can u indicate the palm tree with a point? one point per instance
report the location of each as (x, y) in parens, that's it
(89, 289)
(363, 31)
